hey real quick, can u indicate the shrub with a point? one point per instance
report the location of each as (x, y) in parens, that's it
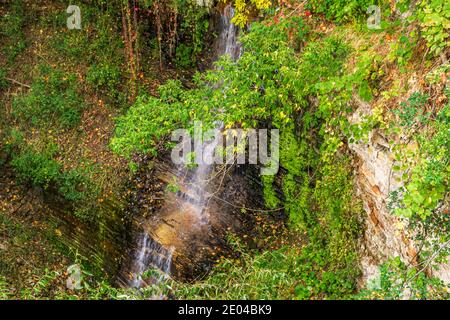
(73, 185)
(104, 77)
(52, 99)
(243, 9)
(39, 168)
(434, 18)
(149, 121)
(36, 168)
(341, 10)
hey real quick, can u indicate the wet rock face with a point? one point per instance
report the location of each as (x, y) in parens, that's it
(385, 234)
(195, 231)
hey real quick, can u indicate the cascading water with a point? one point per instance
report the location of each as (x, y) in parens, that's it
(197, 188)
(150, 254)
(228, 38)
(192, 200)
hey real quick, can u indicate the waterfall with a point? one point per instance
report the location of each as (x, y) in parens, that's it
(150, 254)
(192, 200)
(227, 45)
(228, 37)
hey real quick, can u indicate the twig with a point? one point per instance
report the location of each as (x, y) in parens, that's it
(17, 82)
(299, 6)
(426, 263)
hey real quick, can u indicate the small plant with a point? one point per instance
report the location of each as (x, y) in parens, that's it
(434, 18)
(412, 113)
(427, 184)
(11, 25)
(4, 290)
(39, 169)
(74, 184)
(52, 99)
(105, 78)
(184, 55)
(341, 10)
(398, 281)
(173, 187)
(402, 49)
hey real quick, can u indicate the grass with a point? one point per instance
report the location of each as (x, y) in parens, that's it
(267, 275)
(11, 29)
(53, 100)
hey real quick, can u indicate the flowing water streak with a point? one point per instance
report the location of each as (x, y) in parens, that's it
(150, 254)
(228, 38)
(227, 45)
(194, 199)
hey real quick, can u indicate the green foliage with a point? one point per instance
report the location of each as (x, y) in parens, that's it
(272, 82)
(270, 197)
(51, 284)
(184, 56)
(267, 275)
(244, 7)
(342, 10)
(398, 281)
(11, 30)
(434, 18)
(274, 86)
(105, 78)
(42, 287)
(75, 184)
(412, 112)
(330, 215)
(98, 42)
(3, 82)
(402, 49)
(52, 99)
(427, 185)
(4, 289)
(194, 26)
(148, 122)
(424, 167)
(39, 169)
(173, 187)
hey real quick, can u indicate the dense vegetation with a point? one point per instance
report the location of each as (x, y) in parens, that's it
(305, 69)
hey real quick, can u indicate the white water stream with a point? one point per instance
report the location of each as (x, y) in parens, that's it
(193, 200)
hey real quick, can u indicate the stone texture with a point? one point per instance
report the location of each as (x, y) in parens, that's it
(386, 235)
